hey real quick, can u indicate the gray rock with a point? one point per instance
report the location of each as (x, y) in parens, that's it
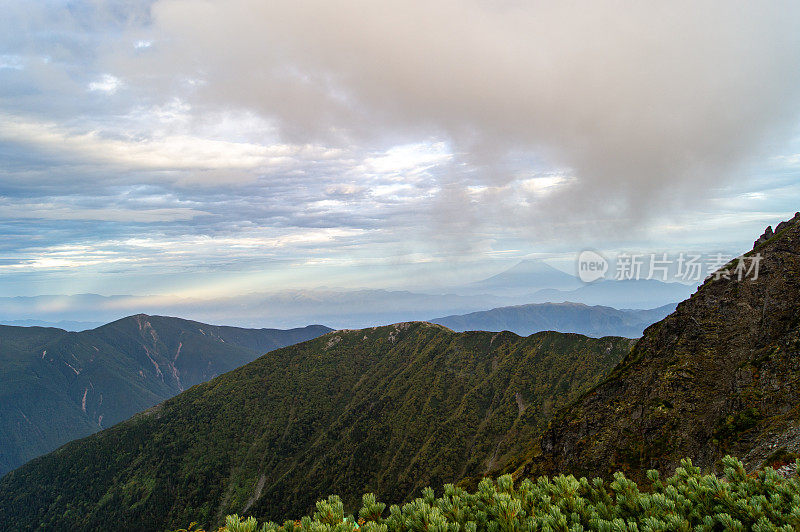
(780, 227)
(766, 236)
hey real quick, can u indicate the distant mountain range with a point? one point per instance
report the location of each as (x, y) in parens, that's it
(535, 281)
(56, 386)
(595, 321)
(630, 293)
(288, 308)
(67, 325)
(525, 277)
(525, 283)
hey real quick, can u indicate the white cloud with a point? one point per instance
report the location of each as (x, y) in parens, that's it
(73, 256)
(788, 160)
(345, 189)
(545, 185)
(11, 62)
(415, 158)
(56, 211)
(171, 151)
(107, 83)
(171, 254)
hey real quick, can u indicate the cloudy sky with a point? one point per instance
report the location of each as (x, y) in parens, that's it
(205, 148)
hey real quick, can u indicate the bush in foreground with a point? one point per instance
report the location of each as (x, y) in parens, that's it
(689, 500)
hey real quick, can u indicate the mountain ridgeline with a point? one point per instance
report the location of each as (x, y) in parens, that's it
(390, 409)
(720, 375)
(595, 321)
(57, 385)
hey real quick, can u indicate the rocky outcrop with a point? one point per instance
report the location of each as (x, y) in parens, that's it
(719, 375)
(788, 223)
(781, 226)
(763, 238)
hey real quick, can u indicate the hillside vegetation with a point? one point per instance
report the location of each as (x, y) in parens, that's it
(388, 410)
(57, 386)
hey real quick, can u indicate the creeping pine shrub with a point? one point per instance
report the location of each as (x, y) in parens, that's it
(687, 501)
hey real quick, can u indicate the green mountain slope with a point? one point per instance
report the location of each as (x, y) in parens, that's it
(56, 386)
(389, 410)
(596, 321)
(720, 375)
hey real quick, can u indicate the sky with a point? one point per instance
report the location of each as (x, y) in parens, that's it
(201, 149)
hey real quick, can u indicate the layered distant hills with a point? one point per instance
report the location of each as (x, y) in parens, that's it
(56, 385)
(524, 283)
(535, 281)
(595, 321)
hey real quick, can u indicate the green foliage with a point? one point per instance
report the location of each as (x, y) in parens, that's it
(687, 501)
(735, 424)
(371, 510)
(233, 523)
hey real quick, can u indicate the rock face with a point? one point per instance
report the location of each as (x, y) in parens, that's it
(763, 238)
(787, 223)
(781, 226)
(720, 375)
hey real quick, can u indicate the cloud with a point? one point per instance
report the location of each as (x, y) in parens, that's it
(343, 189)
(645, 103)
(414, 158)
(107, 83)
(172, 137)
(175, 151)
(174, 254)
(52, 211)
(11, 62)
